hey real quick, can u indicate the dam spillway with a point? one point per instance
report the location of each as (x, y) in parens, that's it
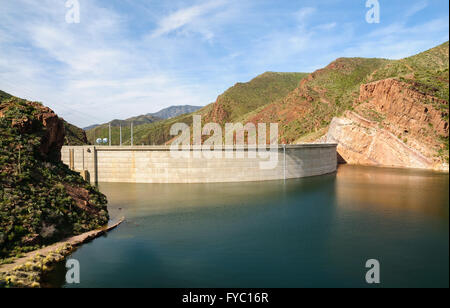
(156, 164)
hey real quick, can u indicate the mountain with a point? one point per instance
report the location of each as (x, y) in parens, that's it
(381, 112)
(163, 114)
(174, 111)
(4, 95)
(318, 98)
(400, 118)
(239, 100)
(41, 200)
(391, 113)
(102, 130)
(74, 135)
(247, 97)
(137, 120)
(91, 127)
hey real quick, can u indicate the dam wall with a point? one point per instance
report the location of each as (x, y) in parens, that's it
(156, 164)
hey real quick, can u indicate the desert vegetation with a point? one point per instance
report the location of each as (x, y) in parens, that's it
(41, 200)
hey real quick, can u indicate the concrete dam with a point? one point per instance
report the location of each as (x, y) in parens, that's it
(156, 164)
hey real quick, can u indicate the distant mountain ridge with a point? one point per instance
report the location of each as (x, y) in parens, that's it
(138, 120)
(381, 112)
(238, 100)
(102, 131)
(174, 111)
(163, 114)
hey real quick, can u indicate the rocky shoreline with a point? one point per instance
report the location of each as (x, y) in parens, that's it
(27, 271)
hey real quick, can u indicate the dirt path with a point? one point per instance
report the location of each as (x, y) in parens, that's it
(33, 264)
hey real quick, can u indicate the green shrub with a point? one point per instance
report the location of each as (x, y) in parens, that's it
(35, 208)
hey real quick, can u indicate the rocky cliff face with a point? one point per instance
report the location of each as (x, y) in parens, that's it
(53, 133)
(41, 200)
(326, 92)
(53, 138)
(74, 135)
(393, 125)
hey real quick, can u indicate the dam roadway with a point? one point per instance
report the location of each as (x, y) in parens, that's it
(156, 164)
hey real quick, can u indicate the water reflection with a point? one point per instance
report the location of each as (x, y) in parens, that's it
(392, 191)
(312, 232)
(137, 200)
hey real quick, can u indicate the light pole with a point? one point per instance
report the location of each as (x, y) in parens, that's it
(120, 129)
(131, 133)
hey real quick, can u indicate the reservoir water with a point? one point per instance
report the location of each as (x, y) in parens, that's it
(312, 232)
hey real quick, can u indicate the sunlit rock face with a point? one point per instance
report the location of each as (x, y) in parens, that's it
(41, 200)
(393, 126)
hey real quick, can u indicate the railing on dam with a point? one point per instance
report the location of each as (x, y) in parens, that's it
(158, 164)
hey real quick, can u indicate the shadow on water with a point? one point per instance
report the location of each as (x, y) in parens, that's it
(313, 232)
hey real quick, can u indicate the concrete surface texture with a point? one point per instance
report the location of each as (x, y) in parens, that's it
(156, 164)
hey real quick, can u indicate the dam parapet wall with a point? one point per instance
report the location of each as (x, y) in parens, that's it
(156, 164)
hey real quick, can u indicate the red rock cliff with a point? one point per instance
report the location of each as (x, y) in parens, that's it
(392, 125)
(53, 139)
(54, 132)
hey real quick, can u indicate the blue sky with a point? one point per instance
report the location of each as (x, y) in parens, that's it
(130, 57)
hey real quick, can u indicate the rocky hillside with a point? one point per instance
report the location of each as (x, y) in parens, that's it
(102, 130)
(41, 200)
(244, 98)
(381, 112)
(400, 118)
(74, 135)
(234, 105)
(310, 107)
(174, 111)
(4, 95)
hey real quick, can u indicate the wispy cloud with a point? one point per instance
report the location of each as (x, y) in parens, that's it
(416, 8)
(131, 57)
(303, 13)
(398, 40)
(89, 72)
(186, 16)
(326, 27)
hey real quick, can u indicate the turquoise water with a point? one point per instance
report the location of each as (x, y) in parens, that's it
(314, 232)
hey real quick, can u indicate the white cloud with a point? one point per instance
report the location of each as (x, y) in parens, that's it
(186, 16)
(397, 41)
(113, 65)
(416, 8)
(326, 27)
(400, 29)
(305, 12)
(88, 72)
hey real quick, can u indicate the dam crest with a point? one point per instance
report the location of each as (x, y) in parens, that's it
(155, 164)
